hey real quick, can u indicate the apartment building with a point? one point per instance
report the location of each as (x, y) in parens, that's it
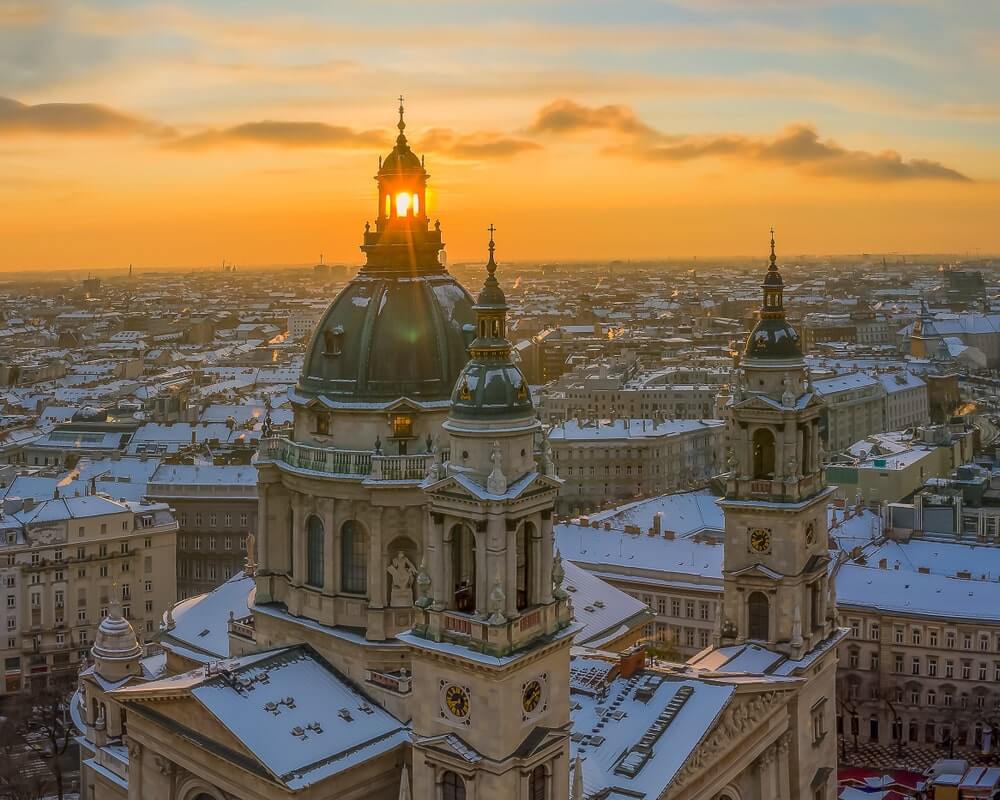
(216, 509)
(854, 408)
(606, 461)
(922, 664)
(617, 390)
(907, 404)
(60, 562)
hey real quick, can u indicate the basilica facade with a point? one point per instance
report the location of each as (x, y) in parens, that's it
(405, 629)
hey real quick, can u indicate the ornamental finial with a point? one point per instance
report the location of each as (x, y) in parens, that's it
(773, 259)
(401, 125)
(491, 265)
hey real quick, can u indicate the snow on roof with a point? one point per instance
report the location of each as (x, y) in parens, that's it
(207, 474)
(602, 609)
(598, 547)
(900, 381)
(683, 513)
(316, 735)
(299, 718)
(909, 592)
(629, 429)
(201, 623)
(842, 383)
(63, 508)
(607, 736)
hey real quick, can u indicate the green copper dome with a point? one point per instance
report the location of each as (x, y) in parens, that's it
(491, 390)
(386, 337)
(773, 338)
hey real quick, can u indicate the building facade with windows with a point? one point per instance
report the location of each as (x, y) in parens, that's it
(63, 562)
(216, 510)
(608, 461)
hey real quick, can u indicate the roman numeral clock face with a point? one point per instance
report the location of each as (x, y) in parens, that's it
(455, 702)
(759, 540)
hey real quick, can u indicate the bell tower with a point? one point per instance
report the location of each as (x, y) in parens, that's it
(490, 647)
(775, 562)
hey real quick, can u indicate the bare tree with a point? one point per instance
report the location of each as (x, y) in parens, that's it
(46, 726)
(16, 783)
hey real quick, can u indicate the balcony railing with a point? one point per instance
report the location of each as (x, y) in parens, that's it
(243, 628)
(362, 464)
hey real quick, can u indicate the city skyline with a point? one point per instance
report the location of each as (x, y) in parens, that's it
(171, 136)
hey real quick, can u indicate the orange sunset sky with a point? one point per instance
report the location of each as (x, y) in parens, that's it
(182, 134)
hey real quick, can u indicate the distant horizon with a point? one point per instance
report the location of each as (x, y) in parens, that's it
(678, 261)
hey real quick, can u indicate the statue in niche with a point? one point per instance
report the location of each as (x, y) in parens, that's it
(402, 571)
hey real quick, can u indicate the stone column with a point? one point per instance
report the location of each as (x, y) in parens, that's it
(298, 540)
(444, 589)
(376, 569)
(135, 788)
(329, 545)
(784, 791)
(765, 773)
(491, 544)
(545, 562)
(265, 560)
(510, 567)
(536, 583)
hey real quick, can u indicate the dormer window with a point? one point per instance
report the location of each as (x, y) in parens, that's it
(323, 423)
(402, 426)
(333, 341)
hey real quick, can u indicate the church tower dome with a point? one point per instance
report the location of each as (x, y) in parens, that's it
(116, 649)
(400, 328)
(491, 386)
(772, 338)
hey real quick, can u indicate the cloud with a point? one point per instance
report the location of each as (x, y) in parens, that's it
(798, 146)
(566, 116)
(474, 146)
(285, 134)
(72, 119)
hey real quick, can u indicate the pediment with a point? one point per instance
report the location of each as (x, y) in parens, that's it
(462, 486)
(731, 729)
(758, 570)
(453, 745)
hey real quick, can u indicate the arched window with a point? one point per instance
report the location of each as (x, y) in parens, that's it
(314, 551)
(452, 786)
(537, 784)
(524, 536)
(353, 558)
(757, 606)
(763, 454)
(463, 567)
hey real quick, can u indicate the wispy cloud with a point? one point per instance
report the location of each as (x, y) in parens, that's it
(798, 146)
(284, 134)
(474, 146)
(74, 119)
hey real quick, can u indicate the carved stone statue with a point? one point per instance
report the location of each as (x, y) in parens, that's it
(558, 576)
(423, 586)
(498, 601)
(787, 396)
(250, 563)
(496, 483)
(545, 463)
(402, 571)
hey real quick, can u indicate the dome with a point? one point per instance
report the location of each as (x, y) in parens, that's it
(491, 390)
(115, 639)
(401, 159)
(773, 338)
(386, 337)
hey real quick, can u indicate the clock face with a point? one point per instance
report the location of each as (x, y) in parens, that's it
(456, 699)
(810, 533)
(531, 696)
(760, 540)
